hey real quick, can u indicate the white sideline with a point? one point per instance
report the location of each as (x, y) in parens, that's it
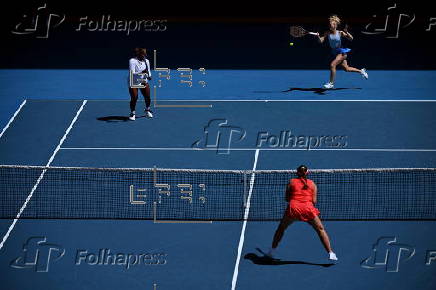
(12, 118)
(244, 225)
(253, 149)
(279, 100)
(429, 100)
(23, 207)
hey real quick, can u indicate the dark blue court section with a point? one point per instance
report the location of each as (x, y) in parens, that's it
(304, 264)
(33, 132)
(203, 256)
(368, 125)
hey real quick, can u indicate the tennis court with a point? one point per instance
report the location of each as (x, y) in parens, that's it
(363, 126)
(96, 194)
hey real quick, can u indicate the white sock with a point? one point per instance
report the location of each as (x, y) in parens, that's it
(134, 112)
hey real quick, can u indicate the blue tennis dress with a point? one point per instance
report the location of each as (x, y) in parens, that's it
(336, 45)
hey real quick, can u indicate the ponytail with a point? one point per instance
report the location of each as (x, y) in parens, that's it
(302, 171)
(304, 180)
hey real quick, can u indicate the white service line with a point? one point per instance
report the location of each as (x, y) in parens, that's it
(12, 118)
(23, 207)
(244, 225)
(253, 149)
(278, 100)
(309, 100)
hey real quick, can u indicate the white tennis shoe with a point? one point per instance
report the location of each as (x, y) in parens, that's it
(332, 256)
(364, 73)
(148, 113)
(132, 116)
(328, 86)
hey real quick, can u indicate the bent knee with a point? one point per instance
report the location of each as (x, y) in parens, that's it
(319, 228)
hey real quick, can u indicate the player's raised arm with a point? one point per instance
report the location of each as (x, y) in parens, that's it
(345, 33)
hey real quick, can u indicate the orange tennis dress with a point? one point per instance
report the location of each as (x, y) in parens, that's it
(301, 200)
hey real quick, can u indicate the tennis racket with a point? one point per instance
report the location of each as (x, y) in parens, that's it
(298, 31)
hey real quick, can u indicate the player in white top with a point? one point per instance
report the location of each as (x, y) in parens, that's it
(139, 68)
(339, 52)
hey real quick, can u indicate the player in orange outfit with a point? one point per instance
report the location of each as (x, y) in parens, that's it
(301, 194)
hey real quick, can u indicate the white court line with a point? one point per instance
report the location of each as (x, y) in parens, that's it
(244, 225)
(253, 149)
(23, 207)
(12, 118)
(263, 100)
(303, 100)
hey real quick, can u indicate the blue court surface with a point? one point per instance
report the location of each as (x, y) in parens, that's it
(386, 122)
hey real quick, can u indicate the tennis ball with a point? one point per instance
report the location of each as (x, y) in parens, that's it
(291, 43)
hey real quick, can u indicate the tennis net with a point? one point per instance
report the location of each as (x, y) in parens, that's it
(189, 194)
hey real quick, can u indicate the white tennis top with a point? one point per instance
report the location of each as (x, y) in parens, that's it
(137, 66)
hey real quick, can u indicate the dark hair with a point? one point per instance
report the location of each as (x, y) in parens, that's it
(139, 50)
(302, 174)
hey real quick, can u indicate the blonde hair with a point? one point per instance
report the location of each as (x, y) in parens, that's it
(335, 18)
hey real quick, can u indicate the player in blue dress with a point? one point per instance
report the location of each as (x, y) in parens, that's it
(340, 53)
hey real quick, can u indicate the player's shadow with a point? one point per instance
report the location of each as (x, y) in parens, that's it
(111, 119)
(318, 91)
(263, 260)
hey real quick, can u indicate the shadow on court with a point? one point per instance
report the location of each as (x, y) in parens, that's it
(263, 260)
(116, 118)
(319, 91)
